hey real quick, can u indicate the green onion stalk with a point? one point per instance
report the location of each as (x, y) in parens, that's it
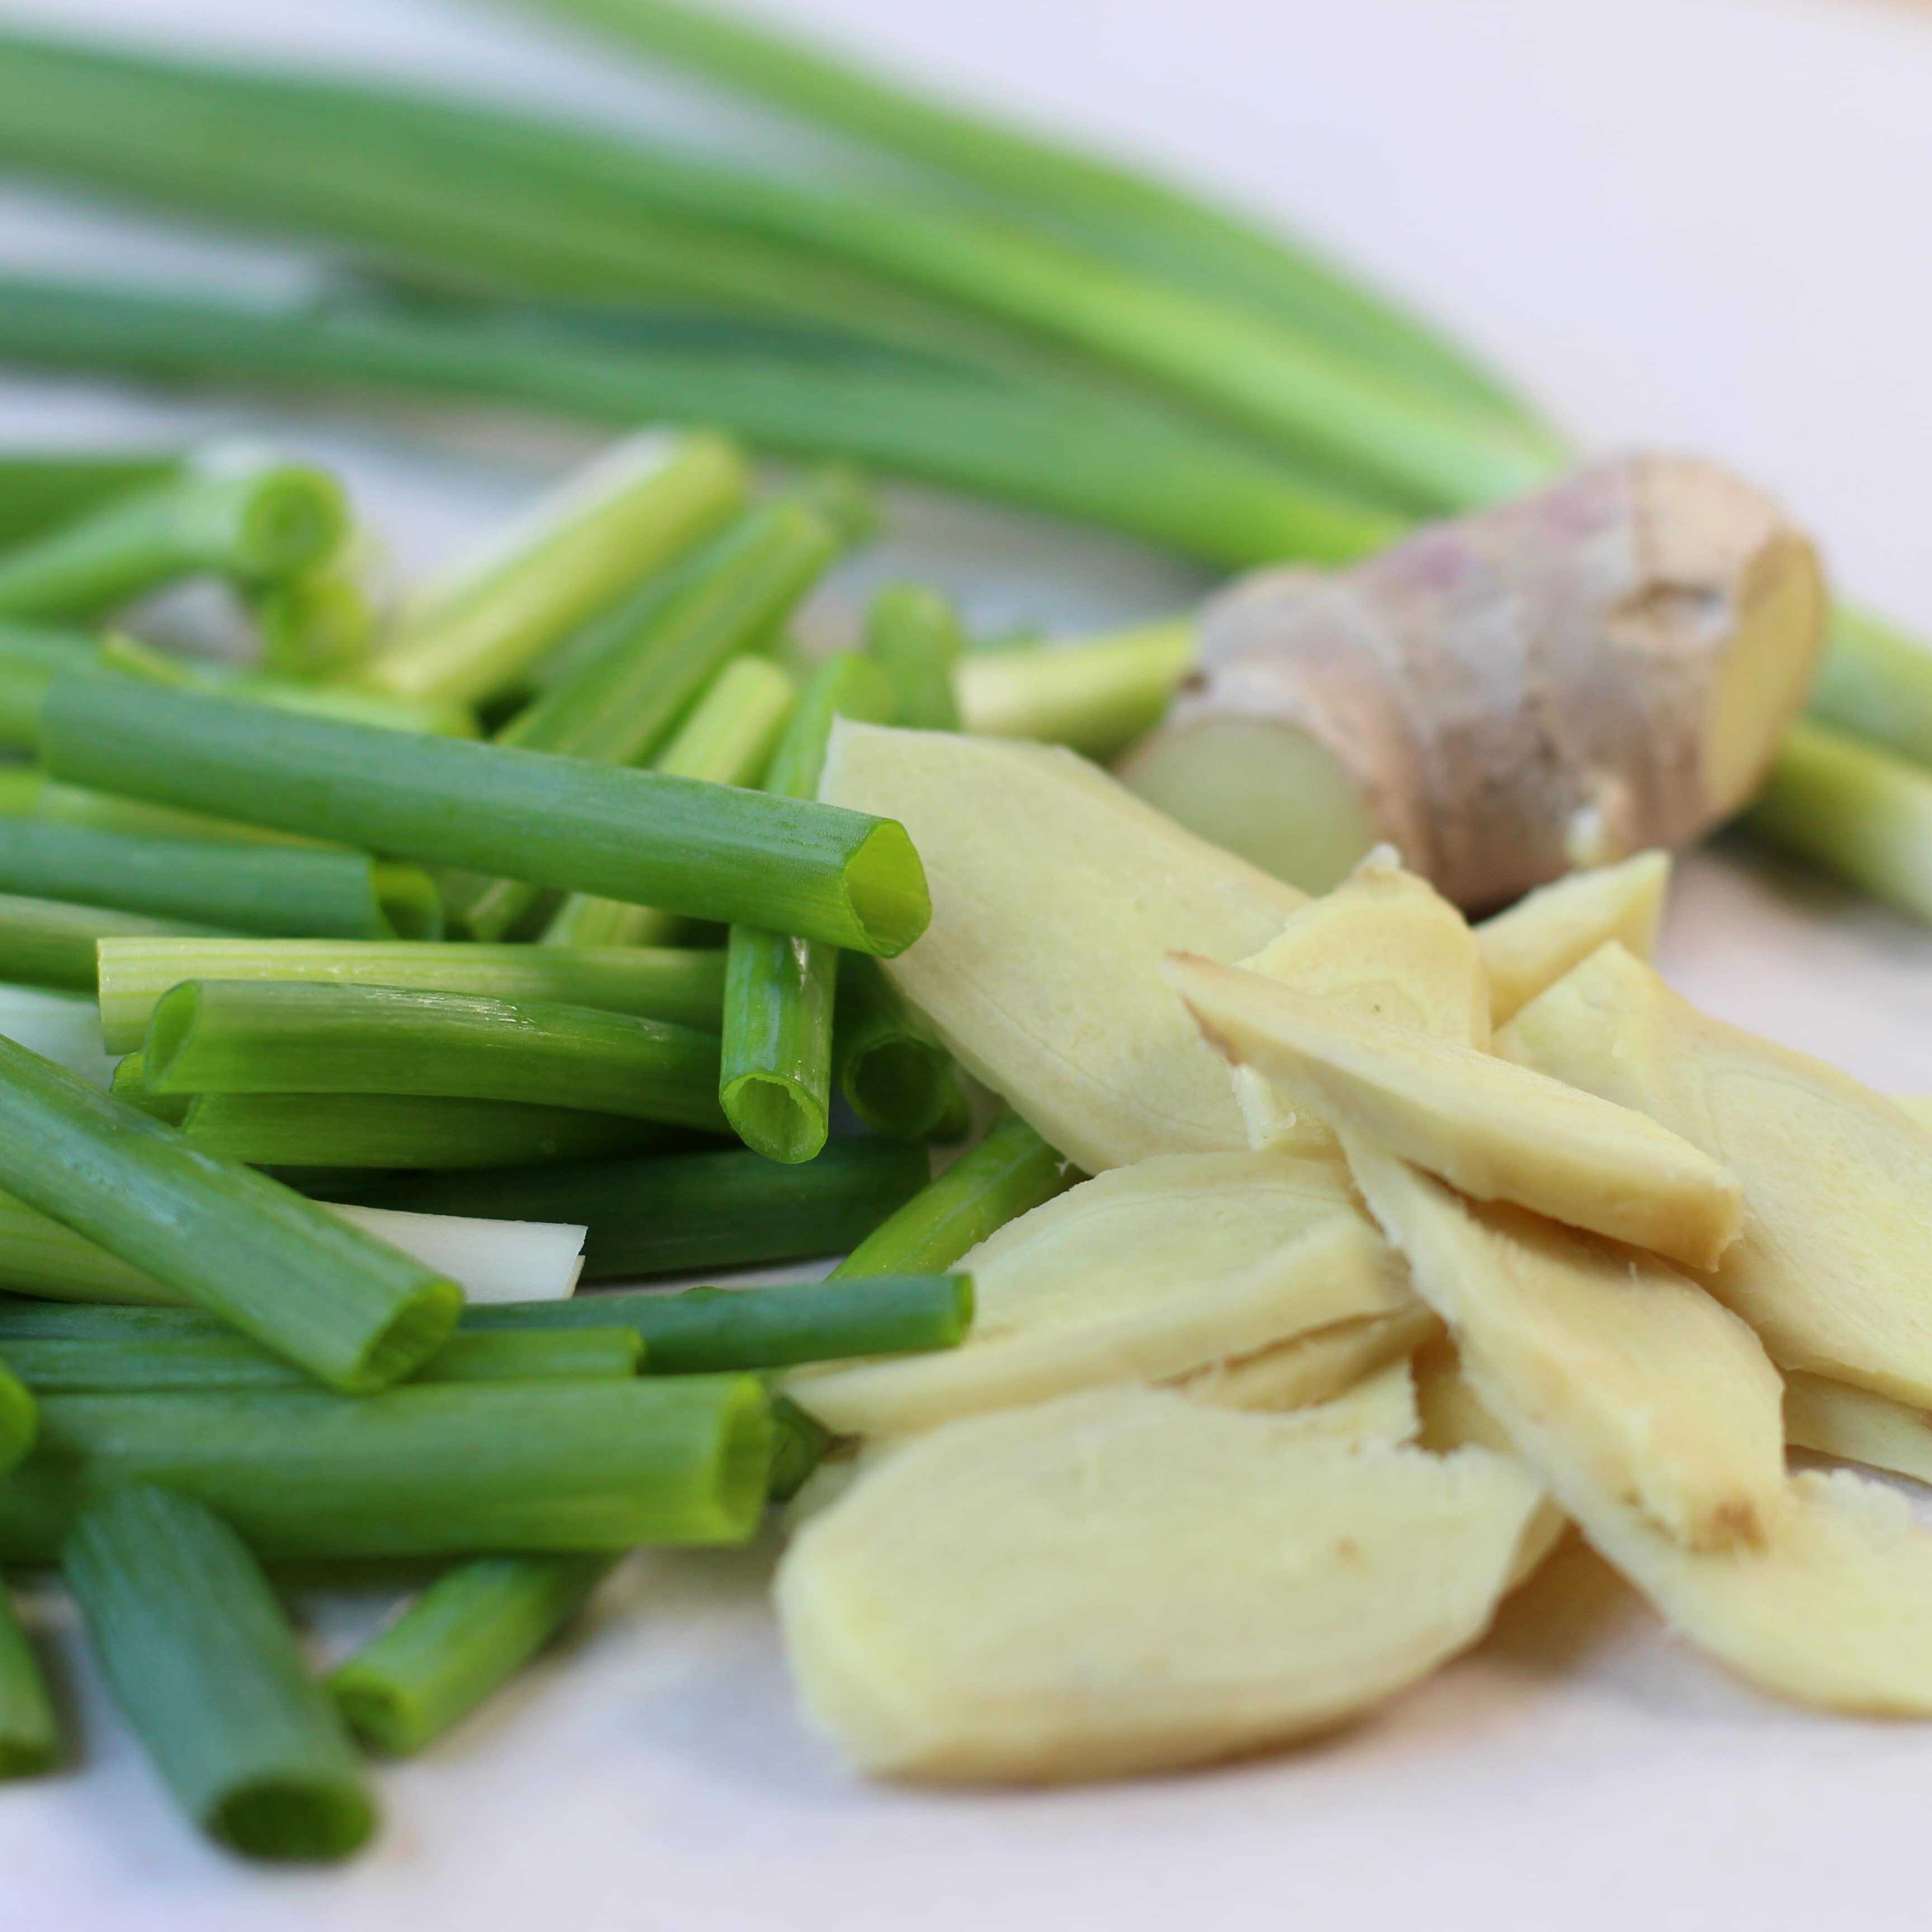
(916, 635)
(240, 888)
(1061, 448)
(680, 1213)
(775, 1074)
(29, 1731)
(1010, 1172)
(652, 653)
(443, 1469)
(249, 522)
(382, 1131)
(42, 489)
(349, 1309)
(711, 851)
(896, 1075)
(708, 1331)
(201, 1660)
(684, 986)
(727, 738)
(479, 629)
(266, 1036)
(472, 1630)
(49, 942)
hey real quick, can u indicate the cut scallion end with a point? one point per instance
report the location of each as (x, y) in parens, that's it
(29, 1731)
(201, 1659)
(679, 1213)
(350, 1309)
(270, 889)
(800, 1444)
(710, 851)
(248, 523)
(443, 1469)
(1010, 1172)
(708, 1331)
(892, 1069)
(686, 988)
(268, 1036)
(465, 1636)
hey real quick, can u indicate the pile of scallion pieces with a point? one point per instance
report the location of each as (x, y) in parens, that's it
(305, 1149)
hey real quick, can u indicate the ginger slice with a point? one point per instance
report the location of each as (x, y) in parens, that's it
(1314, 1368)
(1531, 946)
(1125, 1581)
(1139, 1275)
(1055, 893)
(1662, 1395)
(1494, 1130)
(1837, 1420)
(1384, 943)
(1832, 1269)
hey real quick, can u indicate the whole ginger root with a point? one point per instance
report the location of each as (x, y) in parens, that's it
(1605, 666)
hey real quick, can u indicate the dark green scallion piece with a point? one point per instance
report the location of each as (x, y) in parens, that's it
(775, 1081)
(679, 1213)
(350, 1309)
(19, 1418)
(711, 851)
(200, 1657)
(41, 489)
(892, 1069)
(707, 1330)
(801, 1441)
(269, 1036)
(295, 893)
(442, 1469)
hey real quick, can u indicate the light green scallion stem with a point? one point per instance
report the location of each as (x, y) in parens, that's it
(1096, 697)
(476, 631)
(915, 634)
(1862, 815)
(29, 1731)
(1876, 684)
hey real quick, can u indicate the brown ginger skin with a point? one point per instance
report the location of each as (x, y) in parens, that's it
(1605, 667)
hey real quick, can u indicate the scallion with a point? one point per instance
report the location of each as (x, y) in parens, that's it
(29, 1731)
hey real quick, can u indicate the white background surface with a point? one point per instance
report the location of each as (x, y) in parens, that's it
(1696, 222)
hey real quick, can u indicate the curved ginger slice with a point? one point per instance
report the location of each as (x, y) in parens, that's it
(1314, 1368)
(1055, 893)
(1659, 1391)
(1494, 1130)
(1139, 1275)
(1124, 1581)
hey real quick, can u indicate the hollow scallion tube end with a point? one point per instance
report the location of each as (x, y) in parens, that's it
(892, 1070)
(800, 1446)
(460, 1640)
(200, 1657)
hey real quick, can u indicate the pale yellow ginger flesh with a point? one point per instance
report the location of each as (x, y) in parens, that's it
(1834, 1268)
(1604, 667)
(1313, 1368)
(1529, 948)
(1918, 1106)
(1125, 1581)
(1381, 1408)
(1828, 1606)
(1140, 1275)
(1384, 943)
(1837, 1420)
(1662, 1395)
(1494, 1130)
(1450, 1416)
(1055, 893)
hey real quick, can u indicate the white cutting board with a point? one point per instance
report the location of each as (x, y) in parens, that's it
(1696, 222)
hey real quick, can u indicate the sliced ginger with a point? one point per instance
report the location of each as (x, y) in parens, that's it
(1055, 893)
(1143, 1274)
(1531, 946)
(1661, 1394)
(1496, 1131)
(1314, 1368)
(1384, 943)
(1124, 1581)
(1834, 1266)
(1837, 1420)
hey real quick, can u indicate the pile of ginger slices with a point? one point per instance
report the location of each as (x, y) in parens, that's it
(1408, 1245)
